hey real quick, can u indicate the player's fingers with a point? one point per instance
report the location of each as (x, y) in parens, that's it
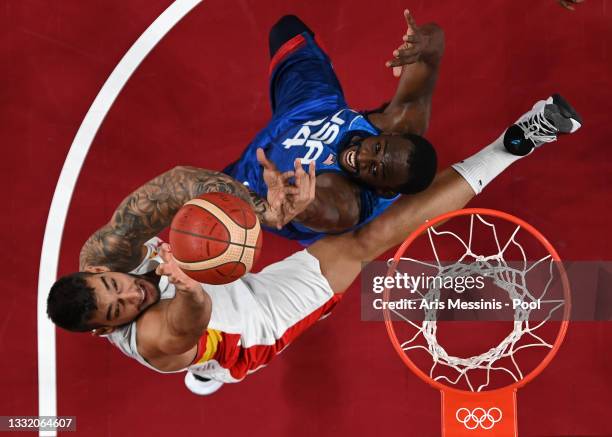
(308, 181)
(397, 71)
(406, 52)
(299, 169)
(165, 252)
(566, 5)
(264, 161)
(313, 180)
(301, 182)
(164, 270)
(281, 221)
(291, 190)
(287, 175)
(396, 52)
(280, 197)
(410, 22)
(406, 60)
(411, 38)
(276, 201)
(280, 217)
(304, 186)
(312, 171)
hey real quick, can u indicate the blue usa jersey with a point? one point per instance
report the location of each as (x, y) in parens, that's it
(311, 122)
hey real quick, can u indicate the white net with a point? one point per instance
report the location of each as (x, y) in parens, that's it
(476, 372)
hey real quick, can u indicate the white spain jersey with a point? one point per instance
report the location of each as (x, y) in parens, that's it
(253, 319)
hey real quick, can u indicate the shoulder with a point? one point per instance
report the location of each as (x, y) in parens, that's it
(336, 180)
(150, 338)
(148, 330)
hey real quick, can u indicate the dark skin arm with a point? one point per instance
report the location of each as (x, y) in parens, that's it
(148, 210)
(336, 205)
(417, 62)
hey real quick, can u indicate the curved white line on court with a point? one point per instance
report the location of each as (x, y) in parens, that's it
(49, 257)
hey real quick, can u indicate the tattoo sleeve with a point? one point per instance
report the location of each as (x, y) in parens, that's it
(148, 210)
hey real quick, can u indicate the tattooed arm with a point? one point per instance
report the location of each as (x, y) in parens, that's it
(148, 210)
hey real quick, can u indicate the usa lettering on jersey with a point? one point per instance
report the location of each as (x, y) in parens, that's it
(325, 132)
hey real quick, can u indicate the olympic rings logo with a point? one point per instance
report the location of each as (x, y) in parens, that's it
(479, 417)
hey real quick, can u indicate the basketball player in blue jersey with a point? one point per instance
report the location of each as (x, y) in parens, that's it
(363, 160)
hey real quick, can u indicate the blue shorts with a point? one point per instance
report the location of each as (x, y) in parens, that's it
(302, 80)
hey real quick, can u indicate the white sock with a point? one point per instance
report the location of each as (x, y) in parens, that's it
(480, 169)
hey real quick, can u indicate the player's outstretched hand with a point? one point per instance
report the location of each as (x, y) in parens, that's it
(569, 4)
(286, 200)
(304, 193)
(175, 275)
(410, 51)
(278, 188)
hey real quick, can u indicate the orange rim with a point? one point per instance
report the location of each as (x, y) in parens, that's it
(535, 233)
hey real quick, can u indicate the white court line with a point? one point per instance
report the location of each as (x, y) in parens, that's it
(49, 257)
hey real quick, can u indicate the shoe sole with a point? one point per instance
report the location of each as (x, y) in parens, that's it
(568, 111)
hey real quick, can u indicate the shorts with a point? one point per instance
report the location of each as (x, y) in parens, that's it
(303, 83)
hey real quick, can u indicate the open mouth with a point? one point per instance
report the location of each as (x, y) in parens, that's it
(143, 293)
(350, 158)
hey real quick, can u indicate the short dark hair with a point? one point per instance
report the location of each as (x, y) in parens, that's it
(422, 164)
(71, 302)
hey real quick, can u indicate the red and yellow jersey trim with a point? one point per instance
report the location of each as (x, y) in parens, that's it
(208, 345)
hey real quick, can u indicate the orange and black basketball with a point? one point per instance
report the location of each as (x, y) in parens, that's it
(215, 238)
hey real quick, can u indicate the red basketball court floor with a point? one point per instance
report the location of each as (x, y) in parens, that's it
(197, 99)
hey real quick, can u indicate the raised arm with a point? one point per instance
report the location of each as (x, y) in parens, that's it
(168, 334)
(148, 210)
(418, 60)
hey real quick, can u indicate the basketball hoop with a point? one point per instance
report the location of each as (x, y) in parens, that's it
(473, 403)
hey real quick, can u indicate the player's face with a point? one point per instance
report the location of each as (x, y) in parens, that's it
(121, 298)
(379, 161)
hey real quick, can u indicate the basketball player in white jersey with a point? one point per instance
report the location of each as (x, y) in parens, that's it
(171, 323)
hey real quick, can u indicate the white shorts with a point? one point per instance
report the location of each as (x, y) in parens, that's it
(256, 317)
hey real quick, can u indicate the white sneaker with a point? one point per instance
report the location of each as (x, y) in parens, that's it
(546, 120)
(201, 386)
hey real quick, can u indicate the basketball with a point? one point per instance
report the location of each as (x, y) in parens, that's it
(216, 238)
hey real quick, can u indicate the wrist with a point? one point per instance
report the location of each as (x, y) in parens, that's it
(192, 288)
(304, 216)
